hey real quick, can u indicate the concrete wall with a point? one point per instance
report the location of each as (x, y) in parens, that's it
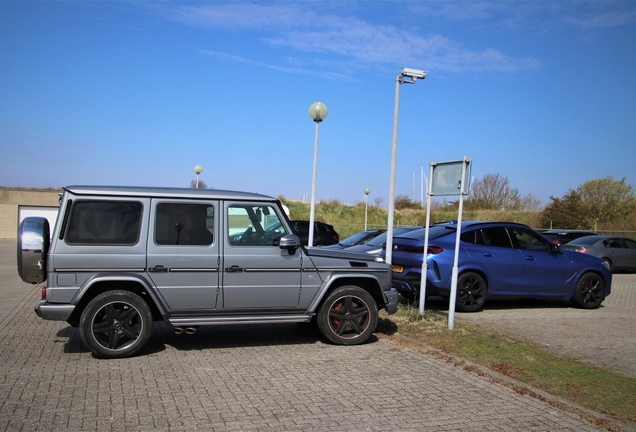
(12, 199)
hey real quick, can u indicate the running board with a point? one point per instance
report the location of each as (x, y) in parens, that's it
(273, 319)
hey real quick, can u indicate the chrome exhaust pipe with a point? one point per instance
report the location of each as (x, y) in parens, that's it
(178, 330)
(190, 330)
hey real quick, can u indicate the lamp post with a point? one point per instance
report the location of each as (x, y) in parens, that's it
(408, 76)
(198, 169)
(367, 191)
(318, 112)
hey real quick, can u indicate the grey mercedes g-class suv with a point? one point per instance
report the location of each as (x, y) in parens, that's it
(121, 257)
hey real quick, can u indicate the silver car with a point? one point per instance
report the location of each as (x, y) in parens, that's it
(119, 258)
(618, 252)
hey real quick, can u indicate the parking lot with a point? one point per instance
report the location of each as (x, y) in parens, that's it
(271, 377)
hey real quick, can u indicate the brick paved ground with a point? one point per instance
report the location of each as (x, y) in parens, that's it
(272, 377)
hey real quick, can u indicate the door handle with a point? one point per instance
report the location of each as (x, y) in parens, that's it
(234, 269)
(488, 255)
(158, 269)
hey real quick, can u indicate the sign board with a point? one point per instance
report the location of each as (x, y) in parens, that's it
(446, 178)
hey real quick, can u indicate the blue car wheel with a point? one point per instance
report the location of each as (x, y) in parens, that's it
(471, 292)
(589, 292)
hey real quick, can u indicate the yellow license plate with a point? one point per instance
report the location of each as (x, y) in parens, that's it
(397, 269)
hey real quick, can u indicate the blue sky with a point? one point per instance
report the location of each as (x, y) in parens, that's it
(138, 93)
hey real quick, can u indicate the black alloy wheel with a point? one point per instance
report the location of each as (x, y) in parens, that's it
(471, 292)
(116, 324)
(348, 316)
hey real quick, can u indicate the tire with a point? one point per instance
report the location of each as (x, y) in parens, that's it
(348, 316)
(33, 247)
(116, 324)
(471, 292)
(589, 292)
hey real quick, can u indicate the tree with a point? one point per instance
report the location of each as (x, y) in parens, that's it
(378, 201)
(596, 201)
(404, 202)
(606, 199)
(493, 192)
(202, 185)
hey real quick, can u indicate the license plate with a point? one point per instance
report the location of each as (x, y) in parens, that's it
(397, 269)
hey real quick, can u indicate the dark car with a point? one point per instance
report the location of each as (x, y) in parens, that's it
(618, 252)
(561, 237)
(357, 239)
(496, 259)
(374, 247)
(324, 234)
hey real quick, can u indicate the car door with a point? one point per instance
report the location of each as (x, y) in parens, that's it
(256, 272)
(183, 254)
(617, 252)
(630, 261)
(502, 263)
(544, 271)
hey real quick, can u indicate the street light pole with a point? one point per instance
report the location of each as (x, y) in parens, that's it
(198, 169)
(367, 191)
(408, 76)
(318, 112)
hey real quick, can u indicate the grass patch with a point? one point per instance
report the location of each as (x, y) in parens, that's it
(594, 388)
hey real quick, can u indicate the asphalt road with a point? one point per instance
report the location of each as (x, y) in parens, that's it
(265, 378)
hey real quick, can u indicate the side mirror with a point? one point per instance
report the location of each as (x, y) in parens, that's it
(290, 242)
(554, 248)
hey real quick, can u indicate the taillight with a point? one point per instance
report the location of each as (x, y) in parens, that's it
(336, 238)
(580, 249)
(555, 241)
(418, 250)
(434, 250)
(43, 293)
(431, 250)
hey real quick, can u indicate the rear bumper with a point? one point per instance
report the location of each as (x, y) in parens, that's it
(54, 312)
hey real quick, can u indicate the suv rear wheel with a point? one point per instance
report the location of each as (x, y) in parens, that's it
(348, 316)
(116, 324)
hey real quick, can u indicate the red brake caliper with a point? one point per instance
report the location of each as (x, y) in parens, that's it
(336, 322)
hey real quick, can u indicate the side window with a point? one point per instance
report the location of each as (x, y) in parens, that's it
(254, 225)
(496, 236)
(529, 241)
(631, 244)
(184, 224)
(104, 223)
(612, 243)
(475, 237)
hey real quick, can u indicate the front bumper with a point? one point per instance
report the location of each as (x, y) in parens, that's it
(55, 312)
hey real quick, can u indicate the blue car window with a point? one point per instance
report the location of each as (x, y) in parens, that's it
(496, 236)
(528, 240)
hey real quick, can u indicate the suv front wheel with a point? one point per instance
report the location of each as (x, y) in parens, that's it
(116, 324)
(348, 316)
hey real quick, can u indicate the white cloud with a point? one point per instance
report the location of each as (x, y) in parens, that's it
(354, 40)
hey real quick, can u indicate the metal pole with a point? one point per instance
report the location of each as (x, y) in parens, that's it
(313, 190)
(454, 274)
(366, 210)
(389, 234)
(423, 278)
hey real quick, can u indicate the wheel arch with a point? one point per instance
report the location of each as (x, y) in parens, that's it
(98, 286)
(368, 283)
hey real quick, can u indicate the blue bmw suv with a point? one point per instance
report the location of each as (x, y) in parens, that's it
(496, 259)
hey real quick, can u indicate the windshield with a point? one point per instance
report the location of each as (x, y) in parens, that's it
(434, 232)
(397, 232)
(585, 241)
(356, 238)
